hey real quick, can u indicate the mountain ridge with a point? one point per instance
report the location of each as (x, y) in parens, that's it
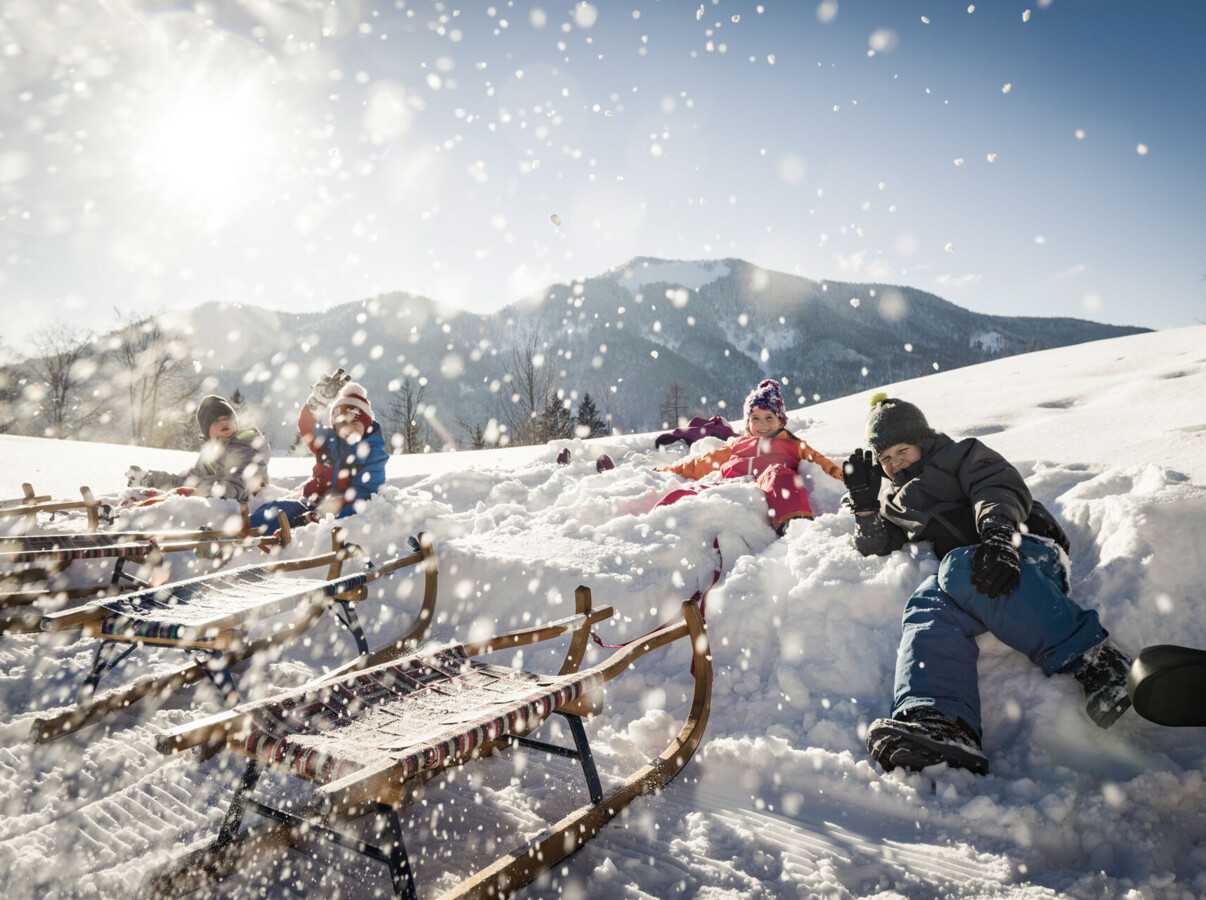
(716, 327)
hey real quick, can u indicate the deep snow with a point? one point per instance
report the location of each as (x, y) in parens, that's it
(781, 800)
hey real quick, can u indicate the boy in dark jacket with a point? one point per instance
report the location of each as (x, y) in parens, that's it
(232, 465)
(1002, 571)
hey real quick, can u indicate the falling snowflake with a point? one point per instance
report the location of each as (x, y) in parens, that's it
(1007, 88)
(959, 161)
(1026, 16)
(555, 219)
(949, 248)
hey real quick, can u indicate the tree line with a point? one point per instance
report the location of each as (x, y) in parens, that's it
(141, 384)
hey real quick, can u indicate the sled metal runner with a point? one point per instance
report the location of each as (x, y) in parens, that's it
(31, 562)
(209, 618)
(400, 735)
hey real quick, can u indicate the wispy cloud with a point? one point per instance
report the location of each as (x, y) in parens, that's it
(958, 281)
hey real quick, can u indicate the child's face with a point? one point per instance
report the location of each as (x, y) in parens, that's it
(349, 427)
(222, 427)
(763, 422)
(898, 458)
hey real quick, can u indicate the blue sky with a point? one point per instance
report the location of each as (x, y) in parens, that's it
(1029, 158)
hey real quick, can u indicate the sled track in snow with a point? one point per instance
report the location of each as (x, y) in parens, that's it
(806, 854)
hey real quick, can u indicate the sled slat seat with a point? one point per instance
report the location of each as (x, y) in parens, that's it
(419, 713)
(198, 610)
(69, 547)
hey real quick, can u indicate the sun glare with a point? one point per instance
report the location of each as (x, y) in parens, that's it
(202, 153)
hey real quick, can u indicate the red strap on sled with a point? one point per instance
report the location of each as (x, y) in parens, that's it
(700, 596)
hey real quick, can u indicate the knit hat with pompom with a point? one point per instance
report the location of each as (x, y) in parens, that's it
(769, 396)
(355, 397)
(893, 422)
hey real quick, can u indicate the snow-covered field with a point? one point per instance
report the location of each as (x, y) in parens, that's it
(782, 799)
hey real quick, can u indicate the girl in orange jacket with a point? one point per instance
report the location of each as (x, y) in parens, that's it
(769, 452)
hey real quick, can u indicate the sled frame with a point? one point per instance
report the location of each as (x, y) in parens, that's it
(145, 548)
(31, 504)
(378, 790)
(214, 656)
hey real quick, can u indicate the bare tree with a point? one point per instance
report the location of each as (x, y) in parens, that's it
(673, 411)
(63, 363)
(157, 376)
(405, 416)
(532, 384)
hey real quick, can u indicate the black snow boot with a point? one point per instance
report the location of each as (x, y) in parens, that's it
(922, 737)
(1103, 677)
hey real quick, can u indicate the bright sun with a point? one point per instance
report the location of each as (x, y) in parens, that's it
(203, 152)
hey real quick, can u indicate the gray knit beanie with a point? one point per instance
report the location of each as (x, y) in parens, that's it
(209, 409)
(893, 422)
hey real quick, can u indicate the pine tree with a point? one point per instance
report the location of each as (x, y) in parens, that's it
(477, 440)
(237, 400)
(589, 423)
(555, 422)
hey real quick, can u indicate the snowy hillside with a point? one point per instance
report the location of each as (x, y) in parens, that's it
(781, 800)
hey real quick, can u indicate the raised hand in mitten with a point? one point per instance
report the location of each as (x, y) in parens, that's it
(996, 566)
(862, 476)
(135, 476)
(324, 391)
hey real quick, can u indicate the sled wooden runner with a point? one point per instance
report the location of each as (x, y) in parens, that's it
(31, 504)
(31, 561)
(371, 739)
(209, 617)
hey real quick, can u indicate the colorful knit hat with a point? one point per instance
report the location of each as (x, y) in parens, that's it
(769, 396)
(893, 422)
(210, 409)
(354, 396)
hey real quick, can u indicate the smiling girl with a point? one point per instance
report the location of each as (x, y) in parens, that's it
(767, 451)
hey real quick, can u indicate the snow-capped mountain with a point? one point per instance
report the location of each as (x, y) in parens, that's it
(715, 327)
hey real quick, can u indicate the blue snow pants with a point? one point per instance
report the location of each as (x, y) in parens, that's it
(936, 663)
(265, 516)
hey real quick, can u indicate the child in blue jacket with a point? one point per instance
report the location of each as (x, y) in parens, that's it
(350, 455)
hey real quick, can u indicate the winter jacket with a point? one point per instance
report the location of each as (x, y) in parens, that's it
(752, 455)
(344, 472)
(945, 497)
(231, 468)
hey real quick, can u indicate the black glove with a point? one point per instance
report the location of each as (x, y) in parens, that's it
(862, 477)
(996, 566)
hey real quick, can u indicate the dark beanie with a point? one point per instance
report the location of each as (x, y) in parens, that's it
(893, 422)
(209, 409)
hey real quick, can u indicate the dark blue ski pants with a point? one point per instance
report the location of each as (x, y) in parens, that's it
(936, 663)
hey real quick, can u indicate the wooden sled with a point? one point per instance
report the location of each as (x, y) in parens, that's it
(208, 617)
(1167, 685)
(371, 740)
(30, 505)
(31, 562)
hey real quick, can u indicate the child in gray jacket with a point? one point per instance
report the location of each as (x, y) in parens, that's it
(232, 465)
